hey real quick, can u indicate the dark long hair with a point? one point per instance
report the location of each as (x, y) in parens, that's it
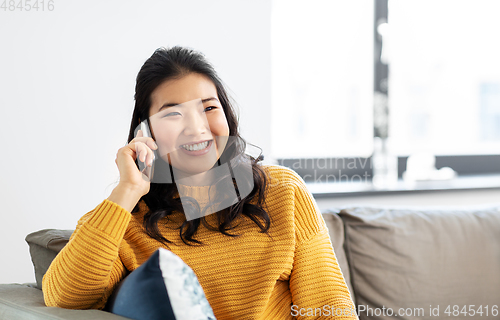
(174, 63)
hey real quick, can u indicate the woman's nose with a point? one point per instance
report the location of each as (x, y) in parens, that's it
(196, 123)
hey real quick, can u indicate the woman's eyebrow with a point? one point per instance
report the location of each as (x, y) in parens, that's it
(166, 105)
(210, 99)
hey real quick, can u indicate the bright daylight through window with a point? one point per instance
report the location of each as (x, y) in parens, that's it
(443, 88)
(322, 59)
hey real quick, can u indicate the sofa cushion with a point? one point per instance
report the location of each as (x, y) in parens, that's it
(44, 246)
(164, 287)
(421, 260)
(25, 302)
(336, 231)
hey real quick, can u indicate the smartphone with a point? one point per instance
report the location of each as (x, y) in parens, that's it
(147, 171)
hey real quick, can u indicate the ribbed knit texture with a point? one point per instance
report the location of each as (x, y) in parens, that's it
(253, 276)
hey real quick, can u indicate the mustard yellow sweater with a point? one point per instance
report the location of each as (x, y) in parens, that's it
(248, 277)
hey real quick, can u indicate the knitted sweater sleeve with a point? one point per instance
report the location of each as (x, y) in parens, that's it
(317, 285)
(84, 273)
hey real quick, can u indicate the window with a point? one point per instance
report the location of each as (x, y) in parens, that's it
(443, 88)
(322, 58)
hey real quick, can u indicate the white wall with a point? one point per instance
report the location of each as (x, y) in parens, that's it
(67, 82)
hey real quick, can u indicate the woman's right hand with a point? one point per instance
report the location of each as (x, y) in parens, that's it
(130, 177)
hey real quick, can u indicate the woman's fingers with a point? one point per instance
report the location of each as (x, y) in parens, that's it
(152, 144)
(143, 148)
(147, 140)
(140, 149)
(143, 152)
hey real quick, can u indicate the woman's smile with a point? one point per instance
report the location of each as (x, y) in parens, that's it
(197, 149)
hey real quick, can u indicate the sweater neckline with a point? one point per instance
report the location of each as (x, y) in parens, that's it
(202, 194)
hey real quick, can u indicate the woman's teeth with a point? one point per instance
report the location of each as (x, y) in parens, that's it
(194, 147)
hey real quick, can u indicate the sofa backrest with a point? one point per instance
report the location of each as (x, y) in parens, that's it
(423, 264)
(44, 246)
(336, 231)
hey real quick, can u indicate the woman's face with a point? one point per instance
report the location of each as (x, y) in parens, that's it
(188, 123)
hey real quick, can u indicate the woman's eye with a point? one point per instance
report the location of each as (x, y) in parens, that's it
(210, 108)
(172, 114)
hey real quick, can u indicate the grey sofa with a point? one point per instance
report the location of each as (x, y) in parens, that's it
(398, 263)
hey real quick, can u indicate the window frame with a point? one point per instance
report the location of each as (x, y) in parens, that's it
(351, 169)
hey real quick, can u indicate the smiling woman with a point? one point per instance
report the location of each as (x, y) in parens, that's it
(266, 247)
(185, 131)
